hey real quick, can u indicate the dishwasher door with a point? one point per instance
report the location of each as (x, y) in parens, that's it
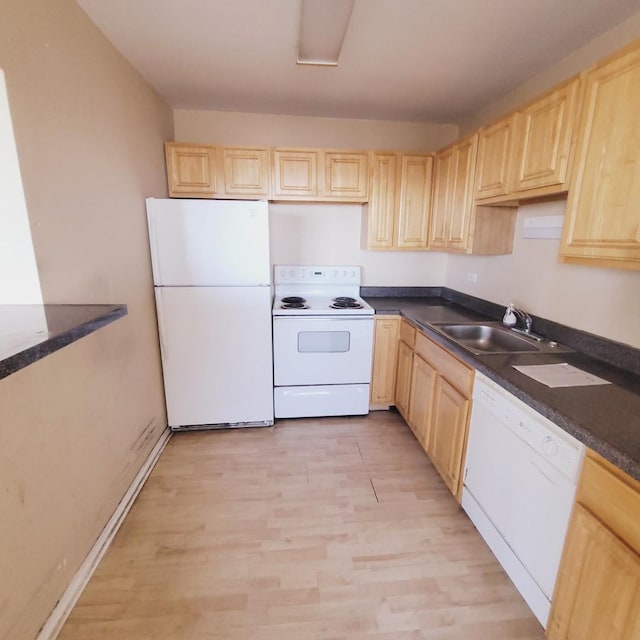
(519, 487)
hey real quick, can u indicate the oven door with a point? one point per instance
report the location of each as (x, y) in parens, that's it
(327, 350)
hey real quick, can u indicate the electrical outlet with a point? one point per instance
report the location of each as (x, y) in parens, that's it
(472, 277)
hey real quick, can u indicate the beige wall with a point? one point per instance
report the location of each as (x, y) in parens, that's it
(326, 234)
(573, 64)
(331, 234)
(76, 426)
(602, 301)
(222, 127)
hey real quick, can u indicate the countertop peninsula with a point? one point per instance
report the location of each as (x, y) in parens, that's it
(606, 418)
(30, 332)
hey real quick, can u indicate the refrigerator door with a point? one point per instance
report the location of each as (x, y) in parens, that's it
(216, 355)
(209, 242)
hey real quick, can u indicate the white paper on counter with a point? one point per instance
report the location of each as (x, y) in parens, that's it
(560, 375)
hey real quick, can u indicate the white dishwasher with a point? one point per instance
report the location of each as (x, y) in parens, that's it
(520, 479)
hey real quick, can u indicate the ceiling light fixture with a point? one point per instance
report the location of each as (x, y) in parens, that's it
(323, 26)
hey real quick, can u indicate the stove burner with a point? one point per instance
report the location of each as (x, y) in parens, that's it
(344, 299)
(294, 305)
(293, 300)
(345, 304)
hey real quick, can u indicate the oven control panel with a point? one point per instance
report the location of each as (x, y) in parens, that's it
(324, 275)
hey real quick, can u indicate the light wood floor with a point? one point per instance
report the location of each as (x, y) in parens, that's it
(328, 529)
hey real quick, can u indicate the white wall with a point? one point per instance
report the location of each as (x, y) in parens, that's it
(222, 127)
(603, 301)
(19, 282)
(330, 234)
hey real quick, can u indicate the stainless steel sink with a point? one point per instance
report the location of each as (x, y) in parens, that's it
(483, 339)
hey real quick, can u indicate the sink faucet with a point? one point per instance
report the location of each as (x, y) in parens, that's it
(527, 322)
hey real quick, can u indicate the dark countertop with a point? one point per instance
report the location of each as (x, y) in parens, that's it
(606, 418)
(29, 332)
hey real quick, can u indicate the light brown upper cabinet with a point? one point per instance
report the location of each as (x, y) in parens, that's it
(295, 173)
(207, 171)
(381, 228)
(246, 171)
(461, 213)
(602, 224)
(453, 196)
(346, 176)
(400, 201)
(443, 186)
(320, 175)
(495, 158)
(191, 170)
(457, 223)
(415, 201)
(543, 142)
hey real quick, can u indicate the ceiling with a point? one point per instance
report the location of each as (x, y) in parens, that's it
(411, 60)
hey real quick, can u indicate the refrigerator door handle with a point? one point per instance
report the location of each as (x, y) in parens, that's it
(161, 333)
(153, 245)
(163, 343)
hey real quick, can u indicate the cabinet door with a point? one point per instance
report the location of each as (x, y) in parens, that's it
(295, 173)
(598, 591)
(458, 238)
(346, 176)
(545, 137)
(423, 379)
(191, 170)
(442, 198)
(383, 201)
(385, 359)
(495, 153)
(449, 425)
(246, 171)
(415, 201)
(603, 210)
(403, 379)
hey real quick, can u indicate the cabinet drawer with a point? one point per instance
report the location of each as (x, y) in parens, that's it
(458, 374)
(613, 497)
(407, 333)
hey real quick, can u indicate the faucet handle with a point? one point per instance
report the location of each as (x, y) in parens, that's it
(525, 317)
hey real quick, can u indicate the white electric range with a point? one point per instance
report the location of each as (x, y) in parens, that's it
(322, 342)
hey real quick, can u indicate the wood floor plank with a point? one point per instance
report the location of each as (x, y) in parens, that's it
(323, 529)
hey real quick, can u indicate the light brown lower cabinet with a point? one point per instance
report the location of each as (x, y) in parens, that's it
(597, 594)
(423, 379)
(385, 358)
(448, 431)
(433, 391)
(403, 378)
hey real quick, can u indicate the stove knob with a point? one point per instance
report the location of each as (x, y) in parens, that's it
(334, 273)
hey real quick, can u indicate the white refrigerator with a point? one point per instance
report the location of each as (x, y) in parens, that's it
(211, 274)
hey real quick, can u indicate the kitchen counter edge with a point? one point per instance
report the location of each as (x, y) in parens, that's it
(66, 323)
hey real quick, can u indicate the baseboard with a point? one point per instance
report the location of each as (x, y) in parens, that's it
(379, 407)
(60, 613)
